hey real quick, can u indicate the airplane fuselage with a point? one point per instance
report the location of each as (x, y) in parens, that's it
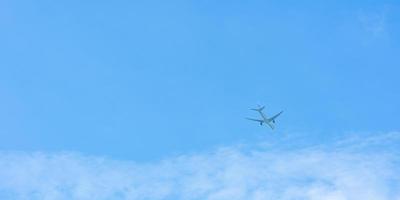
(265, 120)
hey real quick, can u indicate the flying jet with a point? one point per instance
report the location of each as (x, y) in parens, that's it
(269, 121)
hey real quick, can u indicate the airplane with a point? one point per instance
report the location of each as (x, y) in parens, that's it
(269, 121)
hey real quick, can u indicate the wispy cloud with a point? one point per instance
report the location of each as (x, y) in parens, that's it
(373, 22)
(346, 169)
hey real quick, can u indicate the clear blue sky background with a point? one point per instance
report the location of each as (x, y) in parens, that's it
(146, 79)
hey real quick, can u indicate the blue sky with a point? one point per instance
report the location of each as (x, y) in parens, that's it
(147, 79)
(170, 83)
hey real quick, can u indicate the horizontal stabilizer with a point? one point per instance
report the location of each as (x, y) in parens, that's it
(258, 109)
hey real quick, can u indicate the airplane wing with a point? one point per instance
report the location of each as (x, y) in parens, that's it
(275, 116)
(257, 120)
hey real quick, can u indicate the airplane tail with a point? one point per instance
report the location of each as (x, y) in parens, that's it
(259, 109)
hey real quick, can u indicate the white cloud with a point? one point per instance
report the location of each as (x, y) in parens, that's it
(373, 22)
(357, 168)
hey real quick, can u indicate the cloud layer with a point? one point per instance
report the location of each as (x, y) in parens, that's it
(354, 168)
